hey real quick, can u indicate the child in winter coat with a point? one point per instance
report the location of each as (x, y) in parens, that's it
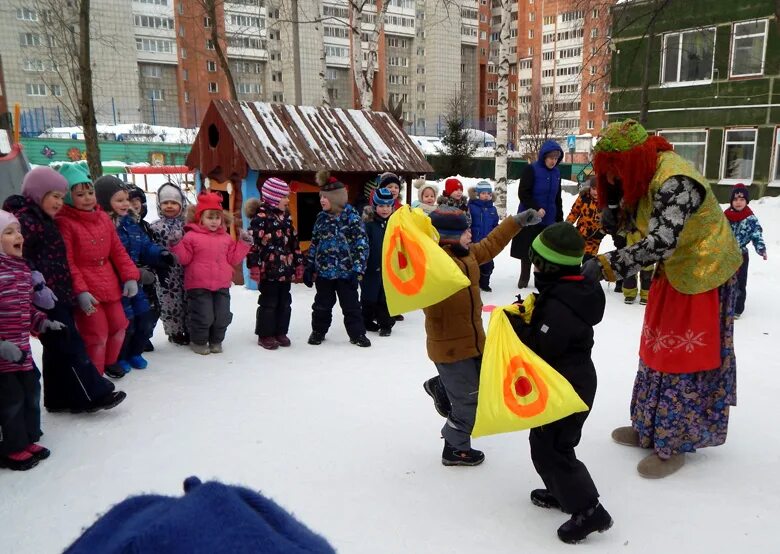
(746, 229)
(586, 215)
(20, 388)
(71, 382)
(391, 182)
(96, 257)
(208, 255)
(453, 327)
(484, 218)
(426, 195)
(113, 198)
(373, 303)
(453, 195)
(336, 262)
(167, 231)
(275, 261)
(560, 331)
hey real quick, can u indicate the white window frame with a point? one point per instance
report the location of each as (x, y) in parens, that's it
(733, 181)
(214, 89)
(774, 178)
(662, 132)
(679, 58)
(763, 54)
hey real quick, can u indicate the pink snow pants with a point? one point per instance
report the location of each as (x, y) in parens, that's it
(103, 332)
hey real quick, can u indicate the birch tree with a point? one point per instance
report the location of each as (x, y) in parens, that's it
(502, 116)
(365, 73)
(320, 28)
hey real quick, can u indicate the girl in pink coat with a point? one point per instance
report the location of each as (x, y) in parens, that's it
(98, 264)
(208, 255)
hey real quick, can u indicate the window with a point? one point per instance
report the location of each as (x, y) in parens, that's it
(569, 89)
(213, 87)
(207, 22)
(591, 106)
(29, 39)
(277, 97)
(594, 33)
(186, 97)
(183, 53)
(330, 74)
(595, 14)
(247, 21)
(276, 76)
(154, 45)
(156, 95)
(776, 173)
(155, 2)
(530, 33)
(547, 56)
(572, 16)
(248, 88)
(209, 44)
(26, 14)
(531, 17)
(185, 74)
(153, 22)
(35, 89)
(211, 66)
(590, 124)
(152, 71)
(33, 65)
(691, 145)
(591, 89)
(748, 47)
(548, 20)
(688, 57)
(739, 155)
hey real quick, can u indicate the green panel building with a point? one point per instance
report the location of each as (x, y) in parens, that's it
(713, 84)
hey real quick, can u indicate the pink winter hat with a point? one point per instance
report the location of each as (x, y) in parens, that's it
(41, 181)
(6, 219)
(274, 189)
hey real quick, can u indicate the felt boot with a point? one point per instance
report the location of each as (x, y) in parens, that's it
(626, 436)
(653, 467)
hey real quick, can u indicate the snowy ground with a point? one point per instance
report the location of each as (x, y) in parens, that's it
(347, 440)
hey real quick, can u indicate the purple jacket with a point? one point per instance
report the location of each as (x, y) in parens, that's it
(18, 317)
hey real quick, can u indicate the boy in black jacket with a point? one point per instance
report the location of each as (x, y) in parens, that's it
(561, 332)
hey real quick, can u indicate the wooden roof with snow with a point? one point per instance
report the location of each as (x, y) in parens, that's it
(235, 137)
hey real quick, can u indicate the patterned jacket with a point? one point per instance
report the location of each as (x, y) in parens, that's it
(586, 215)
(18, 317)
(339, 246)
(275, 249)
(44, 248)
(749, 230)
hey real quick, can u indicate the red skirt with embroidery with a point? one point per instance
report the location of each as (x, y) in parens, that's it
(681, 332)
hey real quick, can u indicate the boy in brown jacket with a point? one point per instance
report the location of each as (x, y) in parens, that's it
(455, 338)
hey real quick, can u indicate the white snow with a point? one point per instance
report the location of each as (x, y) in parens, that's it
(261, 135)
(347, 440)
(141, 132)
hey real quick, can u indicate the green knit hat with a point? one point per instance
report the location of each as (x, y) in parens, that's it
(559, 246)
(75, 174)
(621, 136)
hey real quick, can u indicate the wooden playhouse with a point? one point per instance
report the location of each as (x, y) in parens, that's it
(241, 144)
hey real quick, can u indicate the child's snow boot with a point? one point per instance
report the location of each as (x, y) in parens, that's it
(452, 457)
(115, 371)
(629, 299)
(111, 400)
(372, 326)
(124, 365)
(316, 338)
(584, 523)
(384, 332)
(182, 339)
(215, 348)
(202, 349)
(38, 452)
(653, 467)
(138, 362)
(544, 499)
(269, 343)
(19, 461)
(361, 341)
(148, 347)
(283, 340)
(626, 436)
(441, 401)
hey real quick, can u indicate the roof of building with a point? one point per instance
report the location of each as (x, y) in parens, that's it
(285, 138)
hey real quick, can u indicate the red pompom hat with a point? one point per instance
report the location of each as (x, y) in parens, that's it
(208, 201)
(451, 185)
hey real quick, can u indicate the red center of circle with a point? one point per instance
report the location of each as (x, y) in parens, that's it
(523, 386)
(402, 261)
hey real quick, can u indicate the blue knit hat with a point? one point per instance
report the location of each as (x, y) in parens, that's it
(383, 197)
(450, 222)
(483, 186)
(210, 518)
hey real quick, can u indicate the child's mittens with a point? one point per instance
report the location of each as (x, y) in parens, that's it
(11, 353)
(245, 237)
(130, 289)
(175, 236)
(43, 297)
(527, 218)
(168, 258)
(87, 302)
(49, 325)
(147, 277)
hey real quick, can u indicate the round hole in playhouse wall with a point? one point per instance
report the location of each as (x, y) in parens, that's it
(213, 135)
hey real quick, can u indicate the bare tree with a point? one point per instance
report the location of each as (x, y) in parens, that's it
(502, 115)
(539, 121)
(320, 28)
(63, 29)
(364, 76)
(210, 10)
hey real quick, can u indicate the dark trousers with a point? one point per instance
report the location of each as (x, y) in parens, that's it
(742, 275)
(645, 279)
(20, 410)
(322, 310)
(274, 309)
(485, 271)
(461, 381)
(139, 331)
(70, 379)
(208, 315)
(552, 452)
(377, 311)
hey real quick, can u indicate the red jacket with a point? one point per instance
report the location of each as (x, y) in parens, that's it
(18, 317)
(208, 258)
(98, 261)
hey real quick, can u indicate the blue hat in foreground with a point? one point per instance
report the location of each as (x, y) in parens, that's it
(383, 197)
(210, 518)
(484, 186)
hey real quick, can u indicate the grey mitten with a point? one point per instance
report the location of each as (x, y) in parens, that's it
(245, 237)
(49, 325)
(527, 217)
(10, 352)
(87, 302)
(592, 270)
(147, 277)
(130, 289)
(43, 297)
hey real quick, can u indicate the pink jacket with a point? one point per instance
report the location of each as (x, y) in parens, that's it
(18, 317)
(208, 258)
(98, 261)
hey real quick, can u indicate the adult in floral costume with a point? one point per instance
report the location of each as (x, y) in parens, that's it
(686, 381)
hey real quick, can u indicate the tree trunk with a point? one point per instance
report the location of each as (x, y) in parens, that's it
(320, 27)
(364, 79)
(211, 12)
(356, 19)
(502, 117)
(87, 104)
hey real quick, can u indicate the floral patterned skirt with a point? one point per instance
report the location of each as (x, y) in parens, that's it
(677, 413)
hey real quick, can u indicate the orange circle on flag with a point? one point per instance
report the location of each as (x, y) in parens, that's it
(514, 384)
(414, 257)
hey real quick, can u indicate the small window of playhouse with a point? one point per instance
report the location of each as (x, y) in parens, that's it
(213, 136)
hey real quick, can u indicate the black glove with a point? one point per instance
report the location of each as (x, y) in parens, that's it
(609, 220)
(592, 270)
(308, 276)
(168, 258)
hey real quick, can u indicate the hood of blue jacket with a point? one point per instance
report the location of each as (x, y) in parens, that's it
(550, 146)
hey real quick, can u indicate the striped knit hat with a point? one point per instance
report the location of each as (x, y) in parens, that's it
(483, 186)
(383, 197)
(559, 248)
(274, 189)
(450, 223)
